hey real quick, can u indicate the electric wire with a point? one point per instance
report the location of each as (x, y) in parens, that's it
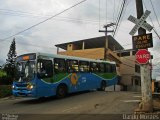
(113, 11)
(106, 12)
(123, 13)
(119, 16)
(46, 16)
(155, 13)
(106, 20)
(99, 14)
(154, 29)
(44, 20)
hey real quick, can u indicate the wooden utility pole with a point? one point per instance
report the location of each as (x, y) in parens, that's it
(147, 103)
(106, 42)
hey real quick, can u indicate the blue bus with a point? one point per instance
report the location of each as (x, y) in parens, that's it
(44, 75)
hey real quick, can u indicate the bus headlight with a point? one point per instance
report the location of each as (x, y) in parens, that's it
(30, 87)
(13, 86)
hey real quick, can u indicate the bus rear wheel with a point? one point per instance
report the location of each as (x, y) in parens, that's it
(61, 91)
(103, 86)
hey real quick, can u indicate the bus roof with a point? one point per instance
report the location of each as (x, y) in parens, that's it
(47, 55)
(72, 57)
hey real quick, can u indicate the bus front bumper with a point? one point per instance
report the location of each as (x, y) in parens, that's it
(24, 93)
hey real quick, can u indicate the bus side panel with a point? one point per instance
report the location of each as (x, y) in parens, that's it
(86, 81)
(93, 81)
(110, 79)
(113, 81)
(76, 82)
(45, 89)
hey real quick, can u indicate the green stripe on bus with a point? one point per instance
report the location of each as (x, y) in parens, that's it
(106, 75)
(56, 78)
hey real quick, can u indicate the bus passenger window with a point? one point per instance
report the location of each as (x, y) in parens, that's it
(101, 68)
(83, 66)
(94, 67)
(113, 68)
(72, 66)
(108, 68)
(59, 65)
(45, 68)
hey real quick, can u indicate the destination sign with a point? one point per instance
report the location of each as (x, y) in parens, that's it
(31, 56)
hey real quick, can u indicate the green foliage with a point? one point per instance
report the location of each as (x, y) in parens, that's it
(12, 54)
(5, 90)
(10, 66)
(3, 73)
(6, 80)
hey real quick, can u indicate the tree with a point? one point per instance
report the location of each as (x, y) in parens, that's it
(12, 54)
(10, 66)
(2, 73)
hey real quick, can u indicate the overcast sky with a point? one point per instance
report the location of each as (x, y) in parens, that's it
(80, 22)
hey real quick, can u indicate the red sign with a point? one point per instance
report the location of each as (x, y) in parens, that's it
(143, 56)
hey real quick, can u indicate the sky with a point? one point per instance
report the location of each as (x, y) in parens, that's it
(81, 22)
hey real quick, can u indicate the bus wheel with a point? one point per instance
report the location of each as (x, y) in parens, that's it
(61, 91)
(103, 86)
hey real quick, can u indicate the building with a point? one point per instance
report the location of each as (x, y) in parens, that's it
(130, 70)
(92, 48)
(109, 49)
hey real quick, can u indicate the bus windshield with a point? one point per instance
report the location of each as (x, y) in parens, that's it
(25, 70)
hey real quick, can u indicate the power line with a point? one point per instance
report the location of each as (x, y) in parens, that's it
(153, 23)
(34, 45)
(155, 12)
(118, 8)
(156, 33)
(99, 14)
(119, 16)
(113, 10)
(46, 16)
(44, 20)
(106, 11)
(18, 11)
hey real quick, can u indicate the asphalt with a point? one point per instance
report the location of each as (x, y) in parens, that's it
(90, 105)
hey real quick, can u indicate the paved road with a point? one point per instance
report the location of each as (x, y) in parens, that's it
(95, 102)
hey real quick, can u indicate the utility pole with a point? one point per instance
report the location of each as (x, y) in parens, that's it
(147, 103)
(106, 42)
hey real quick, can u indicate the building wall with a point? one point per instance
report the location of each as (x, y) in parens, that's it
(96, 53)
(126, 79)
(69, 47)
(128, 66)
(127, 69)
